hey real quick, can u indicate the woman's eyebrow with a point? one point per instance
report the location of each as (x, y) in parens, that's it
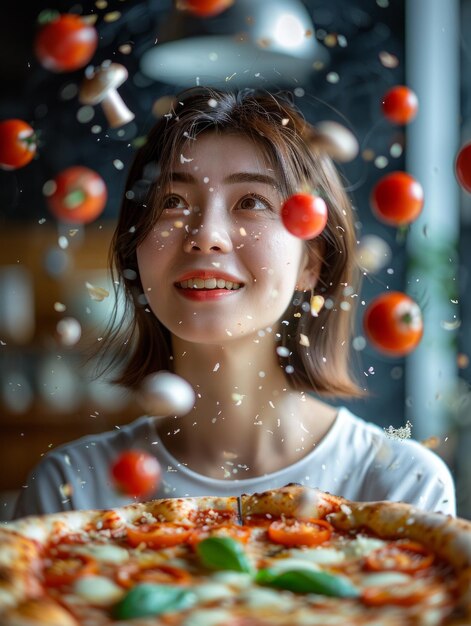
(238, 177)
(251, 177)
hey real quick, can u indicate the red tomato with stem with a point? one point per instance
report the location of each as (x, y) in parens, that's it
(393, 323)
(17, 144)
(205, 8)
(463, 167)
(304, 215)
(79, 195)
(400, 105)
(136, 473)
(397, 199)
(66, 43)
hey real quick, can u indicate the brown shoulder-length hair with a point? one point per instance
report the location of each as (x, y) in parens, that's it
(135, 343)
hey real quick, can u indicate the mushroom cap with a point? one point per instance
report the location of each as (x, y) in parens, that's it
(104, 78)
(339, 142)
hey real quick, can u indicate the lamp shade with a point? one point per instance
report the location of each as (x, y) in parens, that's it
(251, 41)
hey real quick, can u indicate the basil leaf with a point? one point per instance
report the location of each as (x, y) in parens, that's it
(149, 599)
(307, 581)
(223, 553)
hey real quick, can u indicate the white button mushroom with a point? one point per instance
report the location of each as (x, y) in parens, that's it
(165, 393)
(339, 142)
(101, 86)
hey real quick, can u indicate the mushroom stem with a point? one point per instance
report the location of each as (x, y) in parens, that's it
(115, 110)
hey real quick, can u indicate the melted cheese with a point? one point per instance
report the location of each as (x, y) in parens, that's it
(108, 553)
(284, 565)
(208, 617)
(259, 597)
(238, 580)
(97, 590)
(384, 579)
(361, 546)
(212, 591)
(323, 556)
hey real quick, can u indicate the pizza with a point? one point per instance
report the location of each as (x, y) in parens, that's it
(292, 556)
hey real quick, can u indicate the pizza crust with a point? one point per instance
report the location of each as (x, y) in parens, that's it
(291, 500)
(21, 541)
(37, 613)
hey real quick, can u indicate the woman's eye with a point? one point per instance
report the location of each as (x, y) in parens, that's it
(174, 202)
(254, 203)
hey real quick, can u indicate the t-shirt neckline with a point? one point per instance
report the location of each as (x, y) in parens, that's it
(218, 482)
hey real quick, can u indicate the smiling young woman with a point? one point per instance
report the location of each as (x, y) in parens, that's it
(218, 292)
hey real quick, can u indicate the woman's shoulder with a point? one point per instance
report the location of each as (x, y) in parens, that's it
(401, 468)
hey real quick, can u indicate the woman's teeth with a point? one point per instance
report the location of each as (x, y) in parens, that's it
(209, 283)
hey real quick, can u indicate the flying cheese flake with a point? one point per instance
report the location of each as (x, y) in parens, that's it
(403, 432)
(317, 302)
(304, 340)
(431, 442)
(388, 60)
(66, 490)
(59, 307)
(96, 293)
(184, 159)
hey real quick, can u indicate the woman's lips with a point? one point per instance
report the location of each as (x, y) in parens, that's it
(202, 295)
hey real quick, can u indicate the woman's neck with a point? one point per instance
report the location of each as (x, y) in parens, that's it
(246, 416)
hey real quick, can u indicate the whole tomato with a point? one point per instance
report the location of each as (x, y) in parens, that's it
(400, 105)
(393, 323)
(304, 215)
(205, 8)
(136, 473)
(17, 144)
(66, 43)
(463, 167)
(397, 199)
(79, 195)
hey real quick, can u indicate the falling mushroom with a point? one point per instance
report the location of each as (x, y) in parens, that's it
(339, 142)
(101, 87)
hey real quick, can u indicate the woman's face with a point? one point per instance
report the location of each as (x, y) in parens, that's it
(219, 264)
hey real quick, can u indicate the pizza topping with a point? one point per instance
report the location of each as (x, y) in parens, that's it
(223, 553)
(238, 580)
(98, 590)
(69, 567)
(157, 536)
(128, 575)
(403, 557)
(210, 591)
(146, 599)
(287, 564)
(308, 581)
(241, 533)
(384, 579)
(293, 532)
(400, 595)
(323, 556)
(209, 617)
(109, 553)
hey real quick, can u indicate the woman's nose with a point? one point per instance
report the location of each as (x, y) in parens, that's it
(209, 234)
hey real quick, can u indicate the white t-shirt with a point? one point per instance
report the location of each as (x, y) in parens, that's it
(355, 459)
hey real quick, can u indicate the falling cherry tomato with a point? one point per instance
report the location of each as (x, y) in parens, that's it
(136, 473)
(400, 105)
(397, 199)
(66, 43)
(463, 167)
(393, 323)
(79, 195)
(304, 215)
(17, 144)
(205, 8)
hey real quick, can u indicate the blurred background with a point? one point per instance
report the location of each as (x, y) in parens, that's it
(337, 59)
